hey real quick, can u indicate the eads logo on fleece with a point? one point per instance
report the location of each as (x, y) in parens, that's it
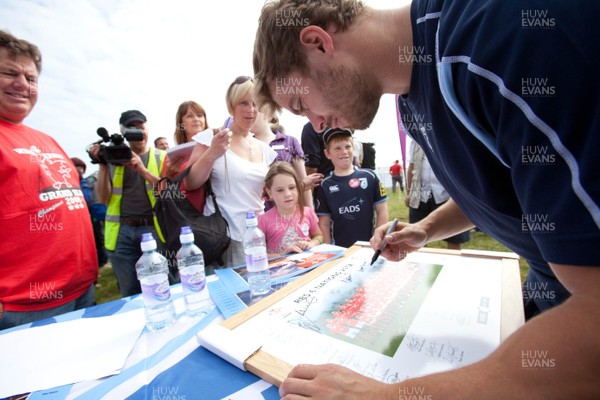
(350, 208)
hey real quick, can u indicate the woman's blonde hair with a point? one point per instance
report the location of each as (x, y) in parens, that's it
(237, 91)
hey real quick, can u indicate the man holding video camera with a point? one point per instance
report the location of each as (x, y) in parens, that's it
(127, 189)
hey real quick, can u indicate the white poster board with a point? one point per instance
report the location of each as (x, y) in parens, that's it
(390, 321)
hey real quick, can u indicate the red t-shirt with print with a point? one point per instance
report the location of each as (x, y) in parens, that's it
(47, 251)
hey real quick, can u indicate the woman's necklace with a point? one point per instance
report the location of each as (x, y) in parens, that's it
(248, 141)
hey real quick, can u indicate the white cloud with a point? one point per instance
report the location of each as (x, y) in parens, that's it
(104, 57)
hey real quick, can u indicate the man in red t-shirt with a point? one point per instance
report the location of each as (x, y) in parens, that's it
(396, 173)
(48, 260)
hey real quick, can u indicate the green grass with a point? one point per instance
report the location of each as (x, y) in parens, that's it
(108, 290)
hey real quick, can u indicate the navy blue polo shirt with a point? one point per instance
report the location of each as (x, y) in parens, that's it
(349, 201)
(497, 103)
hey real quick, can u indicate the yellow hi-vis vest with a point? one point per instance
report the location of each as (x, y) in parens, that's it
(113, 213)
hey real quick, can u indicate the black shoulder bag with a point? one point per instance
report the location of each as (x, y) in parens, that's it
(173, 210)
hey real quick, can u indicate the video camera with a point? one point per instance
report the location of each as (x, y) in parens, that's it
(116, 152)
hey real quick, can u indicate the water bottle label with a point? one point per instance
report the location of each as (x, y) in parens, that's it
(157, 291)
(191, 260)
(257, 261)
(194, 281)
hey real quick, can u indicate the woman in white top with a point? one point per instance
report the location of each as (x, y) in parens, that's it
(236, 164)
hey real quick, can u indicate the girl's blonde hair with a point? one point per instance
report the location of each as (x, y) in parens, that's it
(285, 168)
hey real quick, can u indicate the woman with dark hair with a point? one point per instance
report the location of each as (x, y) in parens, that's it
(190, 119)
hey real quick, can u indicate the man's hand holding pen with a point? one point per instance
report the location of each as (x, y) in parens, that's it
(402, 239)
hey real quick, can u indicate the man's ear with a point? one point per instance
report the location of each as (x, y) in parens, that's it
(314, 38)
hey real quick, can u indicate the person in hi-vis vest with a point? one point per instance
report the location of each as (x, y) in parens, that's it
(127, 189)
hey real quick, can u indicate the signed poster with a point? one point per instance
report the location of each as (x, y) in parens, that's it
(389, 321)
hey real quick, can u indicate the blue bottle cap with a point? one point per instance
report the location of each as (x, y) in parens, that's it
(148, 243)
(186, 230)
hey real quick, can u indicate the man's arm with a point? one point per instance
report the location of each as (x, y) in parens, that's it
(566, 337)
(138, 166)
(446, 221)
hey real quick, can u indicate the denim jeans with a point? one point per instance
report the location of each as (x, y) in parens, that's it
(15, 318)
(234, 255)
(127, 252)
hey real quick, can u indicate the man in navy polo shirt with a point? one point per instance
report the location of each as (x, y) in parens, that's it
(492, 92)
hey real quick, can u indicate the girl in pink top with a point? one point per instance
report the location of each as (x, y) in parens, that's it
(289, 227)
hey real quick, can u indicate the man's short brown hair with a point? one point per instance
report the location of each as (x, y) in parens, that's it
(21, 48)
(277, 48)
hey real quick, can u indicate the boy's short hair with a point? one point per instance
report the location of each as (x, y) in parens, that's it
(334, 134)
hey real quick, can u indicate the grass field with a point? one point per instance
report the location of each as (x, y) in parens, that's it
(108, 289)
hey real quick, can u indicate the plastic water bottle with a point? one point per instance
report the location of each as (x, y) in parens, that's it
(152, 271)
(257, 263)
(190, 261)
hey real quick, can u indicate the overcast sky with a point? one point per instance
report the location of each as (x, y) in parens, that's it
(102, 57)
